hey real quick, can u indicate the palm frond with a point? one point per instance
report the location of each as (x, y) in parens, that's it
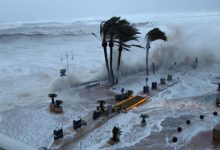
(95, 35)
(102, 29)
(125, 45)
(106, 27)
(127, 49)
(156, 34)
(139, 46)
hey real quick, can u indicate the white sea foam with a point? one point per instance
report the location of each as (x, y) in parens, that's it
(32, 63)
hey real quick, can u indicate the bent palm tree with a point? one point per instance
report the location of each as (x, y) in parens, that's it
(103, 34)
(152, 35)
(116, 132)
(52, 96)
(112, 36)
(107, 33)
(101, 105)
(126, 32)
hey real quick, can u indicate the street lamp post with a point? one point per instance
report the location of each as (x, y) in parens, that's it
(187, 60)
(67, 65)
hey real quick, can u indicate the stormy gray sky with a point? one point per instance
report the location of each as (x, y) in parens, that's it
(31, 10)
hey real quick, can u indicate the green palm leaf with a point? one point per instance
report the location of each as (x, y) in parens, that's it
(155, 34)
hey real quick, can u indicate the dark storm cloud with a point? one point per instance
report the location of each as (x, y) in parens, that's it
(29, 10)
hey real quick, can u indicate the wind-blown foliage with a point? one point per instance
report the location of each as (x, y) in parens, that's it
(52, 96)
(116, 132)
(58, 103)
(107, 34)
(126, 32)
(156, 34)
(144, 116)
(101, 105)
(120, 32)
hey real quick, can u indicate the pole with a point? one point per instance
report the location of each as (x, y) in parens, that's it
(186, 59)
(147, 55)
(67, 67)
(67, 63)
(196, 62)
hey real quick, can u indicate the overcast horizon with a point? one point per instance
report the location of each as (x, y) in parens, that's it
(34, 10)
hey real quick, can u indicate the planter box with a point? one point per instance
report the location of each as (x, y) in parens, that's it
(55, 109)
(52, 107)
(162, 81)
(169, 77)
(154, 85)
(146, 89)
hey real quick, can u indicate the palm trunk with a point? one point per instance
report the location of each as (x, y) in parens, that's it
(119, 61)
(111, 60)
(143, 120)
(104, 45)
(52, 100)
(147, 56)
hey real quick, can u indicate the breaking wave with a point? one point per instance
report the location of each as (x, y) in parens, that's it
(69, 82)
(193, 39)
(47, 29)
(50, 33)
(53, 28)
(43, 33)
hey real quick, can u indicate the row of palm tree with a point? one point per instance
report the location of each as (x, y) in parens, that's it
(117, 31)
(120, 32)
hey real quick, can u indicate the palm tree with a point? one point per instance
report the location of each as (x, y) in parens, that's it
(107, 33)
(58, 103)
(116, 132)
(111, 44)
(112, 36)
(152, 35)
(126, 32)
(103, 34)
(52, 96)
(144, 116)
(101, 105)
